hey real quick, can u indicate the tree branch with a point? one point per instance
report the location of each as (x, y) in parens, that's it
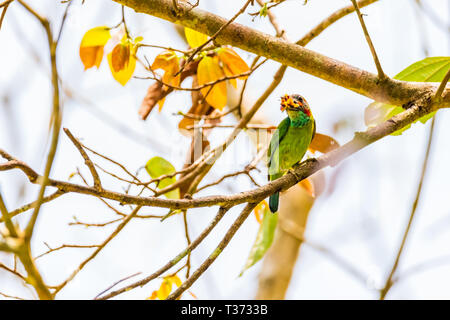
(384, 291)
(389, 90)
(381, 74)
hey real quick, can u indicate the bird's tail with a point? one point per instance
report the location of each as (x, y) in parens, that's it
(273, 202)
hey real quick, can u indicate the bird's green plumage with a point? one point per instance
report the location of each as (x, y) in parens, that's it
(288, 146)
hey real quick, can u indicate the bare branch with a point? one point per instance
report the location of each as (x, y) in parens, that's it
(389, 91)
(213, 256)
(87, 160)
(99, 248)
(174, 261)
(384, 291)
(381, 74)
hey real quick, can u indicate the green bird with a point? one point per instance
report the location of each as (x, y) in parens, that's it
(290, 141)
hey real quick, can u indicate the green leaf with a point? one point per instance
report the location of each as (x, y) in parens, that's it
(157, 167)
(264, 238)
(431, 69)
(263, 11)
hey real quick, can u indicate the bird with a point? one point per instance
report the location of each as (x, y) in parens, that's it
(290, 140)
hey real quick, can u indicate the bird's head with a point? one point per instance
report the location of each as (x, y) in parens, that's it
(294, 104)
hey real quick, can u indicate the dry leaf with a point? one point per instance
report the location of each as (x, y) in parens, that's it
(156, 93)
(122, 59)
(308, 185)
(91, 47)
(91, 56)
(233, 62)
(195, 38)
(260, 209)
(323, 143)
(170, 63)
(209, 71)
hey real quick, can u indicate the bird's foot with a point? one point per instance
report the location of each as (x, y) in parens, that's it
(297, 177)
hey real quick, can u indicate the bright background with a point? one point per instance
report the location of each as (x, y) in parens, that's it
(362, 220)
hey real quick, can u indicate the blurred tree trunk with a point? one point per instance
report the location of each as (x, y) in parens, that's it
(280, 259)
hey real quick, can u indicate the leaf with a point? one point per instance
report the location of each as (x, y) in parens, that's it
(120, 57)
(122, 60)
(97, 36)
(208, 71)
(308, 185)
(263, 11)
(155, 94)
(170, 63)
(229, 73)
(91, 56)
(432, 69)
(153, 296)
(92, 45)
(233, 62)
(157, 167)
(164, 290)
(378, 112)
(195, 38)
(174, 280)
(322, 143)
(259, 210)
(187, 122)
(264, 238)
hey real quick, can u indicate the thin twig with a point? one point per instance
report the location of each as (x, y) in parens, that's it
(33, 204)
(213, 256)
(388, 284)
(5, 6)
(6, 217)
(174, 261)
(116, 283)
(188, 240)
(440, 90)
(87, 160)
(14, 272)
(381, 74)
(214, 36)
(100, 248)
(77, 246)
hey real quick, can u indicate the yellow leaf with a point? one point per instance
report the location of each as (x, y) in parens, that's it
(161, 104)
(229, 73)
(91, 56)
(122, 61)
(175, 280)
(164, 290)
(120, 57)
(208, 71)
(322, 143)
(98, 36)
(260, 209)
(308, 186)
(232, 61)
(195, 38)
(153, 296)
(91, 47)
(170, 63)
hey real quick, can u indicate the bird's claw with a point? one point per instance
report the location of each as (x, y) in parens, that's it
(297, 177)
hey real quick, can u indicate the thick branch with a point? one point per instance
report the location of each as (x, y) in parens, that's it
(300, 172)
(389, 90)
